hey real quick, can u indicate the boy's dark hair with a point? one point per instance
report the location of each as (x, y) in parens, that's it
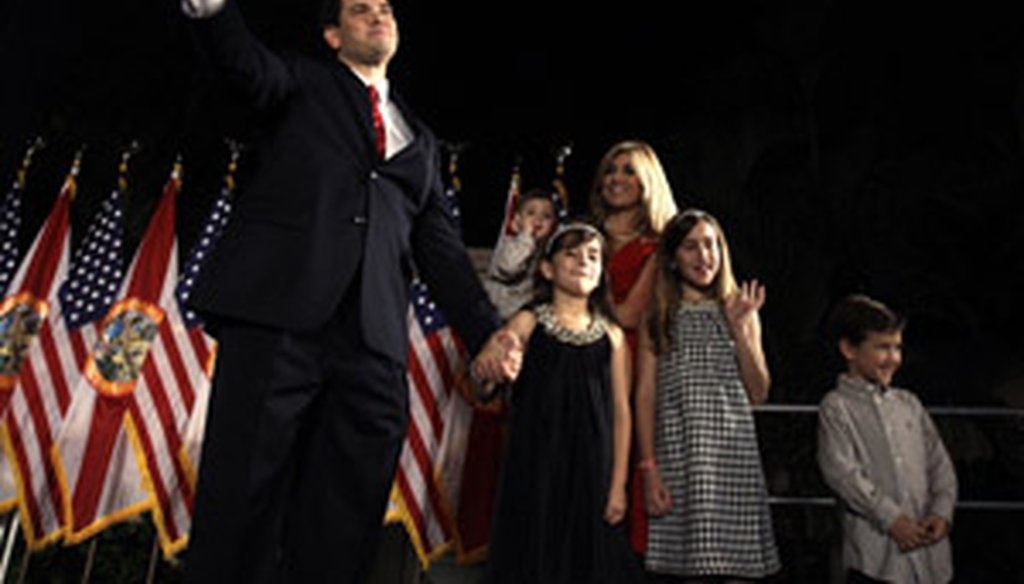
(537, 193)
(857, 315)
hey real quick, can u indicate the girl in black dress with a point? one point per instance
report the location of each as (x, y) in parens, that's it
(562, 496)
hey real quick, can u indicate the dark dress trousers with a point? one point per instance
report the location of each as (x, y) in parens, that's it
(308, 295)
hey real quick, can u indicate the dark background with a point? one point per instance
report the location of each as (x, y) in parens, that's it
(845, 146)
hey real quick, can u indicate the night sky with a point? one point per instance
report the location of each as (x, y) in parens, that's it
(846, 146)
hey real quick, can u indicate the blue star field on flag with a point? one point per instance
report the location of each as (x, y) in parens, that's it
(97, 267)
(427, 313)
(10, 227)
(451, 192)
(210, 233)
(451, 201)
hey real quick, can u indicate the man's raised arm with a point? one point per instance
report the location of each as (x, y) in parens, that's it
(262, 77)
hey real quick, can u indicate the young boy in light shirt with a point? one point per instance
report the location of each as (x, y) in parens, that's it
(510, 276)
(879, 451)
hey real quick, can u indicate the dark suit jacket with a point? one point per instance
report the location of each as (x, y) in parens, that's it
(323, 212)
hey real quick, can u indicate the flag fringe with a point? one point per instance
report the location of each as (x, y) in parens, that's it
(32, 540)
(72, 536)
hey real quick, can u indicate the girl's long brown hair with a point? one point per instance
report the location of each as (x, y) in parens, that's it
(668, 287)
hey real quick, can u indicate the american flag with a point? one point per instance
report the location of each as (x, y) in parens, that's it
(210, 234)
(97, 268)
(32, 400)
(429, 468)
(10, 228)
(178, 372)
(10, 219)
(448, 466)
(428, 478)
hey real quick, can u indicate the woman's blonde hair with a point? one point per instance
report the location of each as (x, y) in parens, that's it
(656, 194)
(668, 289)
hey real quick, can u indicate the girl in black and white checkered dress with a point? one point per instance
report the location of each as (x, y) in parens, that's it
(700, 365)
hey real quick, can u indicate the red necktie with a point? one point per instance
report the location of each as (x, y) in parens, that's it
(378, 122)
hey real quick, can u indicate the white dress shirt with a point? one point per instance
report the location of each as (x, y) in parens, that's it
(397, 130)
(879, 451)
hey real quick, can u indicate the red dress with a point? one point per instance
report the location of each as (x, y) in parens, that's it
(624, 269)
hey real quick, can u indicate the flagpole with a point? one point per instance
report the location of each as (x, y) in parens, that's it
(90, 558)
(23, 568)
(454, 151)
(122, 168)
(512, 197)
(11, 535)
(558, 183)
(235, 147)
(154, 554)
(26, 162)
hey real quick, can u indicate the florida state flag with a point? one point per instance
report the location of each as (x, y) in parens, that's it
(137, 395)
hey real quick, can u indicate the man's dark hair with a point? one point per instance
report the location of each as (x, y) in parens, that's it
(330, 12)
(857, 315)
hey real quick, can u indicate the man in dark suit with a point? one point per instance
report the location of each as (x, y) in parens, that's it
(308, 294)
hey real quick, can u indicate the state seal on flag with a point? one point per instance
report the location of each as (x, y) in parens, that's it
(123, 346)
(21, 317)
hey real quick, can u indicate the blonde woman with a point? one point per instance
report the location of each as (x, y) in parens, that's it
(631, 201)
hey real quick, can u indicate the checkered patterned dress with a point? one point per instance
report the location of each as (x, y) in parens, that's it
(706, 448)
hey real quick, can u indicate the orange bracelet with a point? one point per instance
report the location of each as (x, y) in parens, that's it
(646, 464)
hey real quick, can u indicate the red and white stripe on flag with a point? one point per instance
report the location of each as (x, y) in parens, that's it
(31, 403)
(448, 471)
(429, 474)
(142, 381)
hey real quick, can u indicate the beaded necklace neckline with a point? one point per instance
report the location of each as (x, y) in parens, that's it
(594, 331)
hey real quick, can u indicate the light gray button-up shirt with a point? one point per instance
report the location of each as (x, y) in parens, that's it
(879, 451)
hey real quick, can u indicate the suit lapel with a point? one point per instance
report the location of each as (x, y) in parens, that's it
(354, 93)
(411, 166)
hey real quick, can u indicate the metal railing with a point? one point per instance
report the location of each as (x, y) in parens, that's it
(964, 411)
